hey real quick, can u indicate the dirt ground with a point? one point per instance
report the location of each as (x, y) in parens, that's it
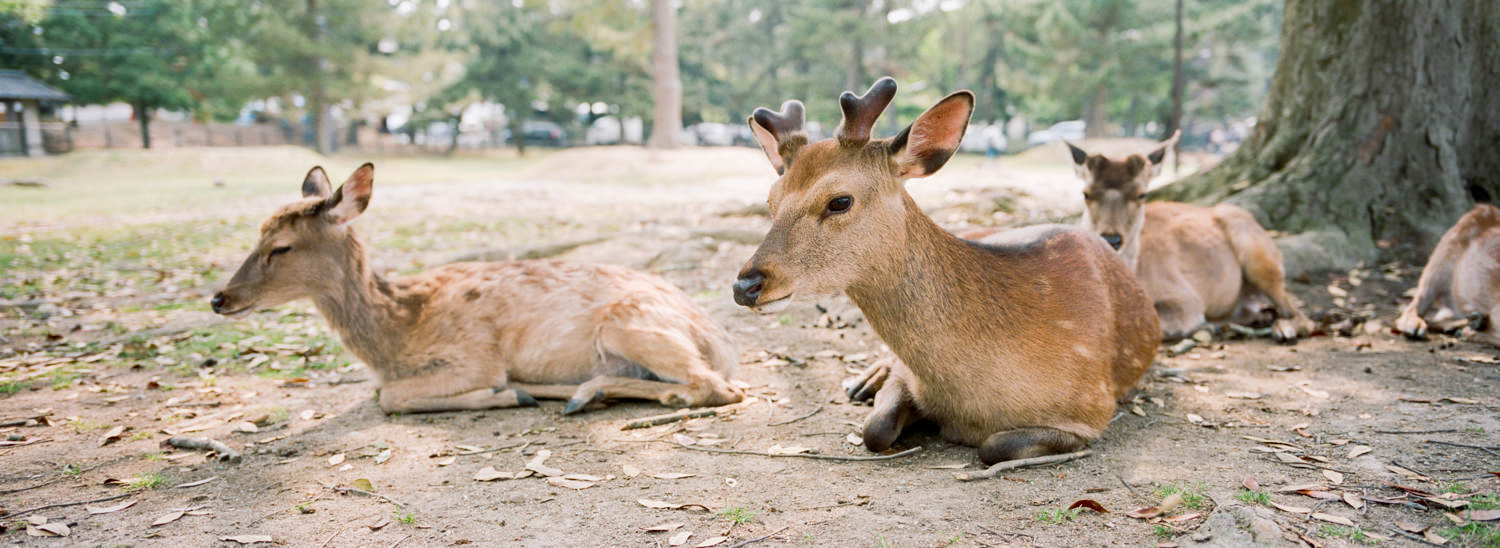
(108, 350)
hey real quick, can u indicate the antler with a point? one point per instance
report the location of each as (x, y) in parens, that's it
(779, 133)
(860, 112)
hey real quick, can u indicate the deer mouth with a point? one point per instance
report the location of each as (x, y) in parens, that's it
(238, 312)
(773, 306)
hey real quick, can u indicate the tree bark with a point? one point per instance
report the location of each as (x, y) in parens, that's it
(1378, 131)
(666, 85)
(1177, 88)
(143, 114)
(318, 101)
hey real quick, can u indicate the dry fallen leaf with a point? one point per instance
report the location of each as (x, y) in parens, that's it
(570, 484)
(663, 527)
(110, 509)
(245, 428)
(854, 439)
(383, 456)
(630, 470)
(307, 414)
(792, 450)
(1483, 515)
(535, 464)
(446, 461)
(1330, 518)
(112, 436)
(1358, 450)
(1250, 484)
(714, 541)
(679, 538)
(659, 505)
(56, 528)
(1434, 538)
(363, 485)
(1410, 527)
(1334, 477)
(169, 518)
(683, 439)
(336, 459)
(247, 539)
(586, 477)
(489, 473)
(1354, 501)
(1292, 509)
(1243, 395)
(671, 475)
(1091, 504)
(380, 524)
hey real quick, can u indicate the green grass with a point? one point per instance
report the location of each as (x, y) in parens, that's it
(739, 516)
(72, 470)
(11, 387)
(1473, 534)
(881, 542)
(407, 518)
(1058, 515)
(142, 435)
(153, 456)
(1457, 488)
(144, 481)
(84, 425)
(1352, 533)
(1192, 494)
(1487, 501)
(1247, 496)
(1163, 531)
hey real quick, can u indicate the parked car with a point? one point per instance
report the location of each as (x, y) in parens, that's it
(983, 138)
(712, 135)
(1072, 130)
(607, 130)
(540, 133)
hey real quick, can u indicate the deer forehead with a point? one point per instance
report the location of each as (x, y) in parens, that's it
(824, 163)
(1122, 174)
(287, 217)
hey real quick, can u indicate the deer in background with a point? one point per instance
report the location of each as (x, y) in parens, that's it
(1199, 264)
(484, 335)
(1461, 279)
(1019, 345)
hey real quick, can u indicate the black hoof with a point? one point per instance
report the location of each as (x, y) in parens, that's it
(525, 400)
(1479, 321)
(576, 405)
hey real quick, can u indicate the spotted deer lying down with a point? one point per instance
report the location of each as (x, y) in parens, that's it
(1461, 281)
(1199, 264)
(484, 335)
(1019, 345)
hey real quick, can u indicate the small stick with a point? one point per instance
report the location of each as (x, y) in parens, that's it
(495, 449)
(1449, 431)
(758, 539)
(1465, 445)
(347, 490)
(67, 504)
(1127, 486)
(1182, 347)
(330, 538)
(401, 540)
(998, 467)
(669, 418)
(18, 490)
(792, 420)
(800, 455)
(225, 453)
(1415, 537)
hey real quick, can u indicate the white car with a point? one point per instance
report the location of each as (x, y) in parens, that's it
(1071, 130)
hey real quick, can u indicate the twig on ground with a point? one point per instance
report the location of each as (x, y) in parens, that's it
(42, 484)
(1414, 537)
(742, 544)
(1128, 486)
(795, 419)
(400, 540)
(330, 538)
(999, 467)
(798, 455)
(669, 418)
(349, 490)
(1449, 431)
(520, 445)
(66, 504)
(1467, 446)
(224, 452)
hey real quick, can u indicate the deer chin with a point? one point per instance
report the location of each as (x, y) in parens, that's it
(774, 306)
(239, 313)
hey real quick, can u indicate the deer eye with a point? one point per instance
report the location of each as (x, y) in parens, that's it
(1088, 196)
(840, 204)
(1140, 196)
(280, 250)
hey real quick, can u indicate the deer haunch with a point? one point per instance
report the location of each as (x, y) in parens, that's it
(1461, 280)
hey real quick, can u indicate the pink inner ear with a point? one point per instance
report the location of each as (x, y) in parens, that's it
(768, 144)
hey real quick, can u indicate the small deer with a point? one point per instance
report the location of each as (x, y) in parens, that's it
(484, 335)
(1019, 345)
(1461, 279)
(1198, 264)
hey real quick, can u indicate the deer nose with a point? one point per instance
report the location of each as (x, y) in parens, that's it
(747, 288)
(1114, 240)
(218, 302)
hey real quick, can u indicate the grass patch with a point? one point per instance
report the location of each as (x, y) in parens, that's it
(8, 388)
(144, 481)
(1487, 501)
(1352, 533)
(1457, 488)
(881, 542)
(739, 516)
(1192, 494)
(84, 425)
(1247, 496)
(407, 518)
(72, 470)
(1163, 531)
(1473, 534)
(1058, 515)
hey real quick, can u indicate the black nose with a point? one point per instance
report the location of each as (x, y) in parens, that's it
(1114, 240)
(218, 302)
(747, 288)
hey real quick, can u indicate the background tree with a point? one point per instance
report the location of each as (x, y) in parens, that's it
(666, 84)
(1379, 130)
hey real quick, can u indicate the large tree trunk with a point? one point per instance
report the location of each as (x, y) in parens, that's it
(143, 114)
(319, 100)
(666, 85)
(1175, 123)
(1378, 130)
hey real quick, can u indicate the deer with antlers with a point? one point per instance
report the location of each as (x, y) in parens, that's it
(1461, 280)
(1019, 345)
(1198, 264)
(484, 335)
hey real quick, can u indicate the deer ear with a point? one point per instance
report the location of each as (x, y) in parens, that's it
(1159, 154)
(924, 146)
(1080, 160)
(768, 145)
(352, 197)
(315, 184)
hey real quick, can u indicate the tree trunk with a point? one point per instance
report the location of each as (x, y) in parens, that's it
(318, 101)
(453, 140)
(143, 114)
(666, 85)
(1177, 87)
(517, 136)
(1378, 132)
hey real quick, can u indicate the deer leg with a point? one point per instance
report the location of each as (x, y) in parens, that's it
(666, 354)
(422, 395)
(893, 412)
(1260, 260)
(1181, 314)
(868, 383)
(1028, 442)
(1484, 328)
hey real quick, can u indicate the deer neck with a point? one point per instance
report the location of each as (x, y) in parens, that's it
(366, 311)
(937, 291)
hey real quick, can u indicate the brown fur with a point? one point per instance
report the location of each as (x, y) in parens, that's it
(1036, 330)
(1199, 264)
(481, 335)
(1461, 279)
